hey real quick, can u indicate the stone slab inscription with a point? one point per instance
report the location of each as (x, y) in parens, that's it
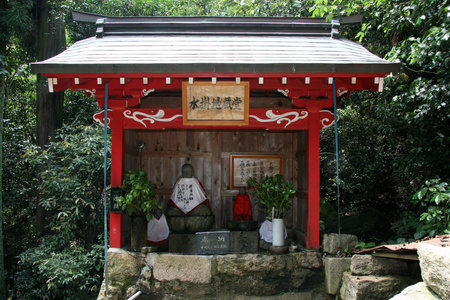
(213, 242)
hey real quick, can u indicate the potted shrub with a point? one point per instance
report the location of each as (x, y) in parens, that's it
(273, 194)
(139, 202)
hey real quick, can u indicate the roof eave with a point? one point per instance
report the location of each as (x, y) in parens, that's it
(42, 67)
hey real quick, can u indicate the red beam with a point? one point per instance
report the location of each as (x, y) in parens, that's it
(117, 155)
(313, 178)
(268, 119)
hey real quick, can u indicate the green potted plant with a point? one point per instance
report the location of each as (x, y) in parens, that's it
(139, 202)
(273, 194)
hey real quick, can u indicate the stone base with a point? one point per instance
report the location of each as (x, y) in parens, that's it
(240, 242)
(419, 291)
(231, 276)
(434, 262)
(334, 267)
(331, 242)
(356, 287)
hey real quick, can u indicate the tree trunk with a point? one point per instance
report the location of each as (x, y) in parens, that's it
(49, 111)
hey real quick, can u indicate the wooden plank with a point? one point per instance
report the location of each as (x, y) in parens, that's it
(152, 101)
(225, 174)
(396, 255)
(209, 152)
(216, 178)
(227, 208)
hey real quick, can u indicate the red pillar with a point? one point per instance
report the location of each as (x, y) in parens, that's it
(313, 177)
(116, 219)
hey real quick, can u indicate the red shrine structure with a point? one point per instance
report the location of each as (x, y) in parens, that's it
(278, 74)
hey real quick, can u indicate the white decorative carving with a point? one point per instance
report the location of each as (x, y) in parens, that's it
(141, 117)
(290, 117)
(341, 92)
(145, 92)
(326, 122)
(284, 92)
(100, 117)
(91, 92)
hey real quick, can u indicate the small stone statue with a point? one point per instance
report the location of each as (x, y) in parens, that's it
(188, 210)
(242, 209)
(188, 191)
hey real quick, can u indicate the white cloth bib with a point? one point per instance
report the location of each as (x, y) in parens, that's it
(188, 194)
(157, 230)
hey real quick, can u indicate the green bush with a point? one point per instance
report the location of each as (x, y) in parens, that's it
(140, 198)
(49, 272)
(430, 215)
(434, 200)
(72, 182)
(68, 263)
(272, 192)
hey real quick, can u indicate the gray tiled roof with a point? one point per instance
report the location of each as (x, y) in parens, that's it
(126, 47)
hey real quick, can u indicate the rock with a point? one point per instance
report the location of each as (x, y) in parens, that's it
(124, 267)
(356, 287)
(372, 265)
(114, 293)
(331, 242)
(240, 241)
(419, 291)
(308, 259)
(285, 296)
(194, 269)
(334, 268)
(182, 243)
(435, 262)
(244, 241)
(199, 219)
(176, 276)
(263, 274)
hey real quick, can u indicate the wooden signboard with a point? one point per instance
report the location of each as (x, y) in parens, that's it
(245, 166)
(223, 103)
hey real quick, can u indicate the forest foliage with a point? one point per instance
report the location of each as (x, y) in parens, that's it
(394, 146)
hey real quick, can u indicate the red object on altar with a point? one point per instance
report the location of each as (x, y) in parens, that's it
(242, 209)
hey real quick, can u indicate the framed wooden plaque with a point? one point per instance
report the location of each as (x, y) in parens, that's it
(245, 166)
(223, 103)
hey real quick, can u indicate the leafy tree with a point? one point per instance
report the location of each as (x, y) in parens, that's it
(434, 198)
(263, 8)
(62, 273)
(392, 142)
(68, 260)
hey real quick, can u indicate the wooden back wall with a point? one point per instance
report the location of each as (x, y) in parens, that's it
(209, 152)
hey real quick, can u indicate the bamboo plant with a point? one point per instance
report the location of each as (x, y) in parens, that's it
(273, 194)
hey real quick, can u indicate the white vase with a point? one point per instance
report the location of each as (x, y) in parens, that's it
(277, 232)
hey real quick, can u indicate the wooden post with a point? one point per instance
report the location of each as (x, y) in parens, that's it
(313, 180)
(116, 219)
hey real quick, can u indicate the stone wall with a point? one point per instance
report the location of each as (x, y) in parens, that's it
(434, 265)
(165, 275)
(372, 277)
(366, 277)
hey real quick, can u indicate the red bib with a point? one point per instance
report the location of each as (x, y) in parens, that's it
(242, 208)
